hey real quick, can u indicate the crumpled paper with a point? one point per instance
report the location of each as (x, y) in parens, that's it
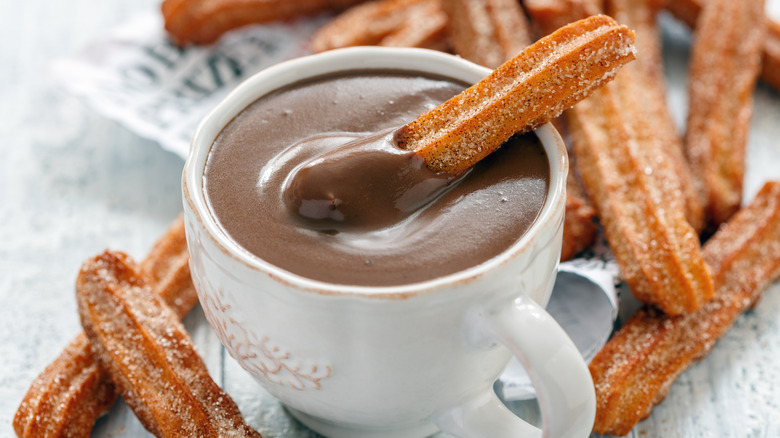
(137, 77)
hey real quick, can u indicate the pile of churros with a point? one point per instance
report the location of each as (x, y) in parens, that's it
(657, 194)
(133, 344)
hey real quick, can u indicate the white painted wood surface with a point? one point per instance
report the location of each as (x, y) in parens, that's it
(73, 183)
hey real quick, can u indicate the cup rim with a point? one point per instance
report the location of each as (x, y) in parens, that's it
(344, 60)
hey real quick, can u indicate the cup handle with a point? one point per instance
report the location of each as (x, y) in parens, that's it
(562, 381)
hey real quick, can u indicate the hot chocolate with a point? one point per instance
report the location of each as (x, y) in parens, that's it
(275, 183)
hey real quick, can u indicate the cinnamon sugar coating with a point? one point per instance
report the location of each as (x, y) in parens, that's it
(724, 67)
(73, 391)
(151, 359)
(688, 12)
(392, 23)
(529, 90)
(658, 130)
(635, 369)
(628, 181)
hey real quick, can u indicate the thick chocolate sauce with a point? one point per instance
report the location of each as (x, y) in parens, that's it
(308, 179)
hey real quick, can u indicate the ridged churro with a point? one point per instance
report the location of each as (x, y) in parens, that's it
(579, 228)
(395, 23)
(487, 32)
(151, 359)
(656, 127)
(632, 180)
(636, 368)
(688, 12)
(529, 90)
(204, 21)
(69, 395)
(630, 184)
(724, 67)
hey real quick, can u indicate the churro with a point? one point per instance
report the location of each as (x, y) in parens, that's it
(395, 23)
(724, 67)
(69, 395)
(656, 128)
(688, 12)
(487, 32)
(151, 359)
(630, 184)
(635, 370)
(579, 228)
(529, 90)
(204, 21)
(633, 183)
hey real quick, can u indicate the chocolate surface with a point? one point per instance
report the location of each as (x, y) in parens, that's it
(400, 227)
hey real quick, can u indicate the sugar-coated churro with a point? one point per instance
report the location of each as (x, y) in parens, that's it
(635, 370)
(633, 183)
(655, 125)
(529, 90)
(151, 359)
(629, 183)
(69, 395)
(395, 23)
(688, 12)
(724, 67)
(204, 21)
(487, 32)
(579, 228)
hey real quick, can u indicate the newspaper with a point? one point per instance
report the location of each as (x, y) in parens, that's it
(137, 77)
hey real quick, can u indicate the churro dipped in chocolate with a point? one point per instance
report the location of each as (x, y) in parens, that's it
(688, 11)
(74, 390)
(204, 21)
(724, 68)
(490, 32)
(579, 228)
(140, 343)
(392, 23)
(440, 145)
(487, 32)
(636, 368)
(531, 89)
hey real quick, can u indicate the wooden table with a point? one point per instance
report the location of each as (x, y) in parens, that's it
(73, 183)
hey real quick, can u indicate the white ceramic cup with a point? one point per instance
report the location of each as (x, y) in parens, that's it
(401, 361)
